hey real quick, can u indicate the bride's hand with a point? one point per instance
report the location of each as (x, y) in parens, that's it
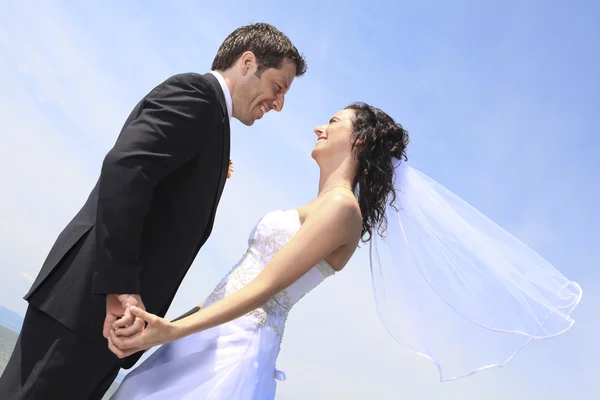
(157, 332)
(230, 170)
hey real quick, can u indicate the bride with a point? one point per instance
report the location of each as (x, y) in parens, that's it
(451, 272)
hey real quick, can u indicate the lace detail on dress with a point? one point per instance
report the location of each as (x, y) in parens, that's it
(325, 269)
(271, 233)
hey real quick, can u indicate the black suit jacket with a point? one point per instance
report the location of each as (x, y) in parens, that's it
(150, 212)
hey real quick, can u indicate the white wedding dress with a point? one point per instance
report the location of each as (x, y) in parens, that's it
(235, 360)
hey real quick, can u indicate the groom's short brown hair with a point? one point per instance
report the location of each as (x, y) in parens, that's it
(269, 45)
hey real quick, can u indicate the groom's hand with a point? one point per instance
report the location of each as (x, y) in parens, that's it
(118, 314)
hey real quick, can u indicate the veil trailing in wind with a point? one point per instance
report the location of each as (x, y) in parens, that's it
(453, 286)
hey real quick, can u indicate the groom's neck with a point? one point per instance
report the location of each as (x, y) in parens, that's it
(229, 80)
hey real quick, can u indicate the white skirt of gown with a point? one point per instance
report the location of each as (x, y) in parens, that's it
(231, 361)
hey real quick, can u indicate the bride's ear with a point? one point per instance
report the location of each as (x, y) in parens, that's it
(357, 144)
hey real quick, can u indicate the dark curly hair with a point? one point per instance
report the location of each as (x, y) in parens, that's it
(269, 45)
(378, 139)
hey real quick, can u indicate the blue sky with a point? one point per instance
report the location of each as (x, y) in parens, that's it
(500, 100)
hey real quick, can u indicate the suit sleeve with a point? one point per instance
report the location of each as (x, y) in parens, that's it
(169, 127)
(187, 314)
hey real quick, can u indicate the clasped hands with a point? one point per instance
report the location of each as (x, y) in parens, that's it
(129, 328)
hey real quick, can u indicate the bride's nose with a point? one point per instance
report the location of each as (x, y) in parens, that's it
(319, 130)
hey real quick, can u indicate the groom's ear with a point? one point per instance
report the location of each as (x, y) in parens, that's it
(247, 62)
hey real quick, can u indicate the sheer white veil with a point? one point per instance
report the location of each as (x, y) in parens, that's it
(453, 286)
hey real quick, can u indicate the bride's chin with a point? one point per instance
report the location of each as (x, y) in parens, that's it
(316, 154)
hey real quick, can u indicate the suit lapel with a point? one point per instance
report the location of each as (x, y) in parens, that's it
(226, 131)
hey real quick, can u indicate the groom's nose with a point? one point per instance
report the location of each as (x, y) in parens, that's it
(278, 103)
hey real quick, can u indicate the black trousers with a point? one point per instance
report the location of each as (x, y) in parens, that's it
(51, 362)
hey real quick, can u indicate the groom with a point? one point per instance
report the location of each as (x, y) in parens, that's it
(149, 214)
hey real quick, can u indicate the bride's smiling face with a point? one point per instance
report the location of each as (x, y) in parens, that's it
(335, 138)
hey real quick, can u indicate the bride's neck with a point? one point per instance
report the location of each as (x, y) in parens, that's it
(335, 178)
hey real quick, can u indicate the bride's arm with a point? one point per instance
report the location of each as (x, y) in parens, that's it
(334, 224)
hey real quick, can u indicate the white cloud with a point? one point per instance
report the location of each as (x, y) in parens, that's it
(28, 278)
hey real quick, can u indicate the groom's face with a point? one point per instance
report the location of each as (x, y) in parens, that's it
(257, 94)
